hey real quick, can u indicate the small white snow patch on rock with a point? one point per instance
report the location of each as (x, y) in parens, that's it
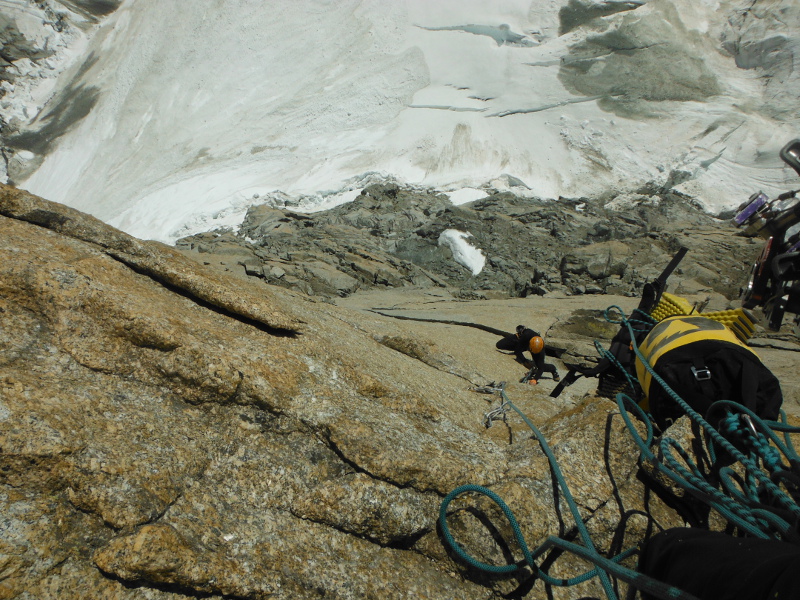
(464, 253)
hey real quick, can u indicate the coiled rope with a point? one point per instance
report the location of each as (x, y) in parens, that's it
(738, 501)
(603, 566)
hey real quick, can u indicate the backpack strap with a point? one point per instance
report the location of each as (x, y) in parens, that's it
(749, 383)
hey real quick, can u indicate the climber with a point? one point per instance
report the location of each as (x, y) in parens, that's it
(518, 342)
(526, 339)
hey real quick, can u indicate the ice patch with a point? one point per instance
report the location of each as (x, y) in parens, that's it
(465, 195)
(464, 253)
(502, 34)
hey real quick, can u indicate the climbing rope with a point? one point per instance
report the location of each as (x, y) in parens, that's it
(638, 326)
(738, 499)
(758, 503)
(603, 565)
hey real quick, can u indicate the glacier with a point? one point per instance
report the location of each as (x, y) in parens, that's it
(166, 119)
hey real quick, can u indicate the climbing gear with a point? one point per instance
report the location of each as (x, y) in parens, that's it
(615, 370)
(536, 344)
(774, 282)
(664, 350)
(489, 388)
(675, 361)
(703, 360)
(604, 568)
(704, 356)
(762, 502)
(499, 412)
(758, 495)
(573, 374)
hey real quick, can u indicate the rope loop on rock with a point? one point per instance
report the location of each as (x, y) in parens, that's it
(759, 504)
(603, 566)
(448, 536)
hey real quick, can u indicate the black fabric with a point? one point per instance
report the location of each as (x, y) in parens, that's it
(716, 566)
(539, 367)
(736, 374)
(517, 343)
(611, 380)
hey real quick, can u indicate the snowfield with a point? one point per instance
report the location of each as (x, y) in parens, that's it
(169, 121)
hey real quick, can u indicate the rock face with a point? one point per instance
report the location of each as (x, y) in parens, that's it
(170, 432)
(389, 237)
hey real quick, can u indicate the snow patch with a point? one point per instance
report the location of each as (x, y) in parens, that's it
(465, 195)
(198, 111)
(35, 81)
(464, 253)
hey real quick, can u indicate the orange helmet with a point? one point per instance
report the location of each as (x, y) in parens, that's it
(536, 344)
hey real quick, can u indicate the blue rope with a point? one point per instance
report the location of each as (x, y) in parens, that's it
(603, 566)
(737, 501)
(646, 323)
(731, 426)
(497, 569)
(737, 506)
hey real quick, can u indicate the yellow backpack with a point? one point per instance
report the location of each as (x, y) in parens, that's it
(703, 358)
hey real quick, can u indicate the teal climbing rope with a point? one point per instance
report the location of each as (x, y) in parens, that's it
(737, 499)
(641, 325)
(604, 567)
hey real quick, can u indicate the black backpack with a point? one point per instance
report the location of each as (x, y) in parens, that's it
(703, 361)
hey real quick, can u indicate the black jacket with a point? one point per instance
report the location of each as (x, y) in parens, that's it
(518, 342)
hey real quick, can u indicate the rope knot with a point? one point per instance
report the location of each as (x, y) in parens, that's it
(731, 425)
(770, 456)
(742, 427)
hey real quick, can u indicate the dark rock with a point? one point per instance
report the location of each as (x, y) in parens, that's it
(388, 237)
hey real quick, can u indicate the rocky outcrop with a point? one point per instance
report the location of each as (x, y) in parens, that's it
(389, 238)
(169, 432)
